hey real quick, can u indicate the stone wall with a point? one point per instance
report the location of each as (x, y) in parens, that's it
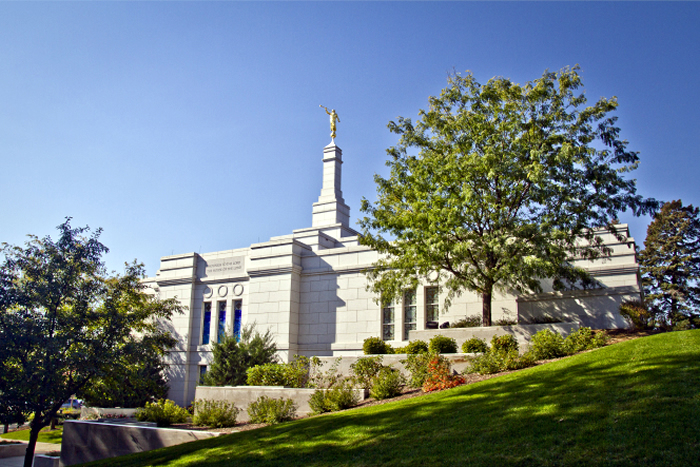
(85, 441)
(241, 396)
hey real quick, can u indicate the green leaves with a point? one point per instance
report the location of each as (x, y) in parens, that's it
(495, 185)
(64, 323)
(670, 264)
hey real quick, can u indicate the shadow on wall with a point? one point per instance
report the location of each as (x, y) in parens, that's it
(318, 310)
(596, 308)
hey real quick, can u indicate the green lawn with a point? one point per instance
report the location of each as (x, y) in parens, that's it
(45, 436)
(635, 403)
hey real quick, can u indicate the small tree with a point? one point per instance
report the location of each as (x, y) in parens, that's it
(63, 323)
(499, 186)
(670, 264)
(232, 358)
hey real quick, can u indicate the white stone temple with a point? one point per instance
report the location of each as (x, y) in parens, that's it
(309, 289)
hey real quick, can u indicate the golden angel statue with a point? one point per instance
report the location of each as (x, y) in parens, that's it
(334, 118)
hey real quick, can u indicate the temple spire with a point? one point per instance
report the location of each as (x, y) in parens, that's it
(330, 209)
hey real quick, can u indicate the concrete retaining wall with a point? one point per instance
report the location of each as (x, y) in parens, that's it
(86, 441)
(12, 450)
(102, 412)
(241, 396)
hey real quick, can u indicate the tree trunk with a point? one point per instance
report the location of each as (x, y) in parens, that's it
(486, 309)
(31, 447)
(7, 428)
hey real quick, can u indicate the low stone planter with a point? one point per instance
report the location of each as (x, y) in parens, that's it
(103, 412)
(87, 441)
(12, 450)
(42, 460)
(241, 396)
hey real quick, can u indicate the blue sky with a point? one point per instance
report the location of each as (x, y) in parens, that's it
(195, 126)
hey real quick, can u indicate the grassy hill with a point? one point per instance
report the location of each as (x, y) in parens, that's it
(631, 404)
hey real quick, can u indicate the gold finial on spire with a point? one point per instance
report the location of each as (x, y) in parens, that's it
(334, 118)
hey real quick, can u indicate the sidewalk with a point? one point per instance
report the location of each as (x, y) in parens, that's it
(19, 461)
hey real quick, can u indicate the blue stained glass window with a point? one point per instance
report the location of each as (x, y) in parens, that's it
(206, 324)
(202, 372)
(221, 330)
(237, 318)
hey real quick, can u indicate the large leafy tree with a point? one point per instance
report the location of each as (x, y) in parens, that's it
(670, 264)
(498, 186)
(63, 322)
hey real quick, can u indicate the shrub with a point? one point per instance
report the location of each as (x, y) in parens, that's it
(475, 345)
(297, 372)
(439, 375)
(584, 339)
(215, 414)
(638, 314)
(473, 321)
(340, 397)
(293, 375)
(417, 366)
(325, 379)
(387, 383)
(495, 361)
(164, 413)
(375, 346)
(442, 344)
(269, 374)
(271, 411)
(547, 344)
(415, 347)
(364, 369)
(505, 342)
(232, 358)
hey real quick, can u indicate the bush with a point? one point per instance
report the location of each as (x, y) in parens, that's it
(271, 411)
(638, 314)
(164, 413)
(232, 358)
(292, 375)
(495, 361)
(364, 369)
(473, 321)
(506, 342)
(547, 344)
(442, 344)
(215, 414)
(439, 375)
(325, 379)
(584, 339)
(376, 346)
(415, 347)
(340, 397)
(475, 345)
(269, 374)
(417, 366)
(297, 372)
(387, 383)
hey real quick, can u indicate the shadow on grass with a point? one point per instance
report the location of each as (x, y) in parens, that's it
(635, 403)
